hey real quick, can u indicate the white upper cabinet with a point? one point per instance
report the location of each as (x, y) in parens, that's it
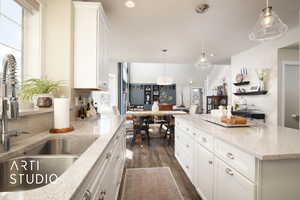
(90, 45)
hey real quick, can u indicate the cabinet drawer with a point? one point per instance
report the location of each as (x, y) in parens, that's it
(203, 138)
(241, 161)
(179, 151)
(184, 139)
(184, 126)
(186, 162)
(88, 189)
(229, 184)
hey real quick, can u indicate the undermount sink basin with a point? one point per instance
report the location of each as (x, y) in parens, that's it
(67, 145)
(30, 172)
(42, 163)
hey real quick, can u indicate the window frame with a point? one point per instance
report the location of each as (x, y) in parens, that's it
(21, 50)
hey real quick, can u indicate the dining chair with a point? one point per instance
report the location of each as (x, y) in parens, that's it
(140, 125)
(163, 120)
(170, 132)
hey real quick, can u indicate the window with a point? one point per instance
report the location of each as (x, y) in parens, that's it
(11, 32)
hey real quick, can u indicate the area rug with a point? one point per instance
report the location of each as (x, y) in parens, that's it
(150, 184)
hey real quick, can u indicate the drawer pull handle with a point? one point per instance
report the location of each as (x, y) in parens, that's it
(187, 146)
(230, 155)
(194, 134)
(204, 139)
(187, 129)
(103, 192)
(87, 195)
(210, 162)
(108, 155)
(187, 167)
(229, 171)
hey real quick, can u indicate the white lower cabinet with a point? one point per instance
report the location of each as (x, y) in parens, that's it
(103, 182)
(202, 161)
(229, 184)
(234, 174)
(203, 172)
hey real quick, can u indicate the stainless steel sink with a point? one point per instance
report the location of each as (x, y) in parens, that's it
(30, 172)
(66, 145)
(48, 159)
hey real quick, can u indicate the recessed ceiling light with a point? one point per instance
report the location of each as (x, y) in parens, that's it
(212, 54)
(130, 4)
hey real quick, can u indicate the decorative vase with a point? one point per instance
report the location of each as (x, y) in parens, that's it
(42, 100)
(261, 85)
(155, 107)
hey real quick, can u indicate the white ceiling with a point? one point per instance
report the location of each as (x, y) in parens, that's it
(139, 34)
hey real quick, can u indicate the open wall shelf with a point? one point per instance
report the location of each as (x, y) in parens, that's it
(251, 93)
(242, 83)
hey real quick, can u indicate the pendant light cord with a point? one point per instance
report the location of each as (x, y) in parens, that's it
(267, 3)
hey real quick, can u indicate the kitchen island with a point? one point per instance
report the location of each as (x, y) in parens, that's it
(253, 163)
(96, 172)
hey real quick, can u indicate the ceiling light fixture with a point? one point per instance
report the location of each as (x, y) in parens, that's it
(269, 26)
(204, 59)
(164, 79)
(202, 8)
(129, 4)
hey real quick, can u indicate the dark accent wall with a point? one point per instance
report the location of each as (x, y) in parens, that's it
(167, 94)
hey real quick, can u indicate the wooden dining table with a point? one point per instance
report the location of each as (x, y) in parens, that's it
(154, 113)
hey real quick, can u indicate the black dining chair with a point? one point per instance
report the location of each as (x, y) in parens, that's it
(170, 126)
(140, 125)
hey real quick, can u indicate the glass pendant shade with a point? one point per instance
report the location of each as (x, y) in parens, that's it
(164, 79)
(268, 27)
(203, 61)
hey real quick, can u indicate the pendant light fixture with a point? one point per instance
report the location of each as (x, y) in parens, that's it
(269, 26)
(164, 79)
(203, 61)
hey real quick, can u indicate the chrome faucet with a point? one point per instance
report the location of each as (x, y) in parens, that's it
(8, 103)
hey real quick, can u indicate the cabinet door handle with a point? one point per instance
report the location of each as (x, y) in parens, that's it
(194, 134)
(204, 139)
(187, 167)
(108, 155)
(187, 146)
(103, 192)
(87, 195)
(229, 171)
(230, 156)
(210, 162)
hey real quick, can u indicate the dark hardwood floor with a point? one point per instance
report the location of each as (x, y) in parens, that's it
(159, 154)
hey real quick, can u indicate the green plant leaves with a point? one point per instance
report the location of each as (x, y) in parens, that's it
(34, 86)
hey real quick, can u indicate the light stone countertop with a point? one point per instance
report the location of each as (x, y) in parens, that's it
(263, 142)
(104, 129)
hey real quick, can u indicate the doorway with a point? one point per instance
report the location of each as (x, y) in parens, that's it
(291, 94)
(289, 86)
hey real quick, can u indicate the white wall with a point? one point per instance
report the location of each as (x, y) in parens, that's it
(182, 74)
(264, 55)
(215, 78)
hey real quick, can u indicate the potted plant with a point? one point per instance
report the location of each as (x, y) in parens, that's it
(40, 91)
(261, 75)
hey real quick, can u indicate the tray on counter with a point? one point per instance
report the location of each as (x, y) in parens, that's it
(216, 120)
